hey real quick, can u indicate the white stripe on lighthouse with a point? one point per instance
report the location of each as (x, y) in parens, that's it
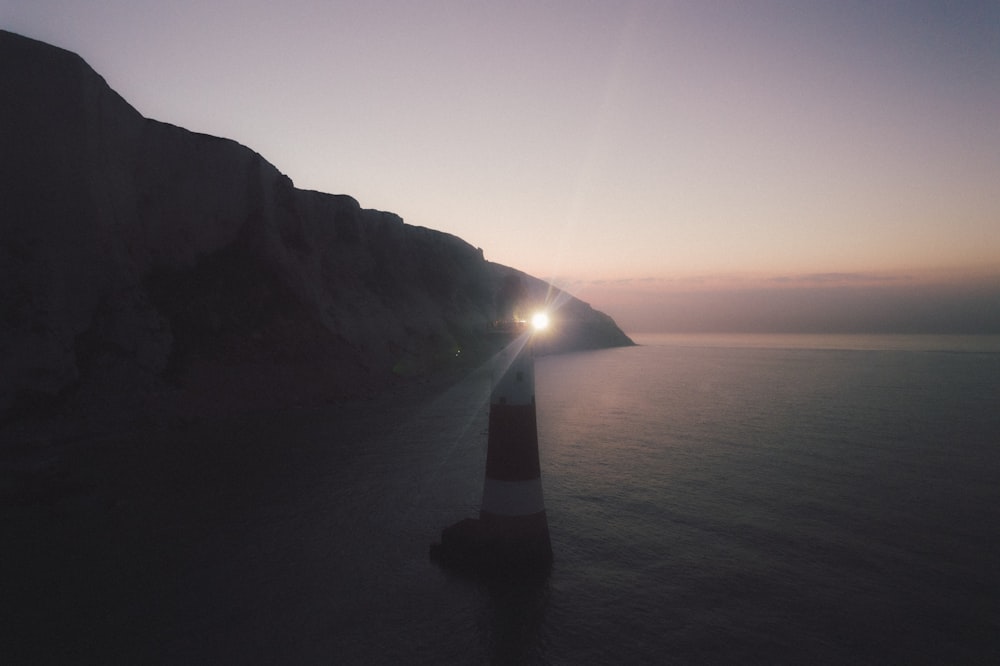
(512, 498)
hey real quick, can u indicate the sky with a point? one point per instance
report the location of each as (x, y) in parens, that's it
(683, 166)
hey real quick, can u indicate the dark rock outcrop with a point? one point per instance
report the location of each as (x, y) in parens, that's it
(145, 267)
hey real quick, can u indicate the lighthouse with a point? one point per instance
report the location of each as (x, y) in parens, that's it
(511, 535)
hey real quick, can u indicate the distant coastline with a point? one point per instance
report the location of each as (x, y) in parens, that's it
(929, 342)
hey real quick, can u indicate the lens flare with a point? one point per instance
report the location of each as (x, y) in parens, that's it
(539, 321)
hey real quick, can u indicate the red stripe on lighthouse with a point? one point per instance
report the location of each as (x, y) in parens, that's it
(512, 448)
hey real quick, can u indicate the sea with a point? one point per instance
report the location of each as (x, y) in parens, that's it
(711, 499)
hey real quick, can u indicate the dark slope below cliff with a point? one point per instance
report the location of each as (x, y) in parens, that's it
(146, 269)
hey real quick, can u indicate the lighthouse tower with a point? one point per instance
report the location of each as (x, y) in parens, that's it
(511, 534)
(513, 507)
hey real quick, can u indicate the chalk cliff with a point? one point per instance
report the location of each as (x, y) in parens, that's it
(147, 267)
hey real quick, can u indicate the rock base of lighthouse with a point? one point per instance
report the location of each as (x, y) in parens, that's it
(494, 546)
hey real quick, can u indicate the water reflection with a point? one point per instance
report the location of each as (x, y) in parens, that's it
(511, 620)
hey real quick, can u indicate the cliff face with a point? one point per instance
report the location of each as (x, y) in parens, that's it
(145, 266)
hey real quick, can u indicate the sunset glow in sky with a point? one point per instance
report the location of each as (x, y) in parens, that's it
(656, 158)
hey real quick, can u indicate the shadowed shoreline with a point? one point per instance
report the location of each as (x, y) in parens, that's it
(129, 545)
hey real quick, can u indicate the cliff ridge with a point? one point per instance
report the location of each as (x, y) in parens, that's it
(152, 269)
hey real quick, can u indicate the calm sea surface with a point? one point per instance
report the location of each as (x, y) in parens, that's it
(711, 499)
